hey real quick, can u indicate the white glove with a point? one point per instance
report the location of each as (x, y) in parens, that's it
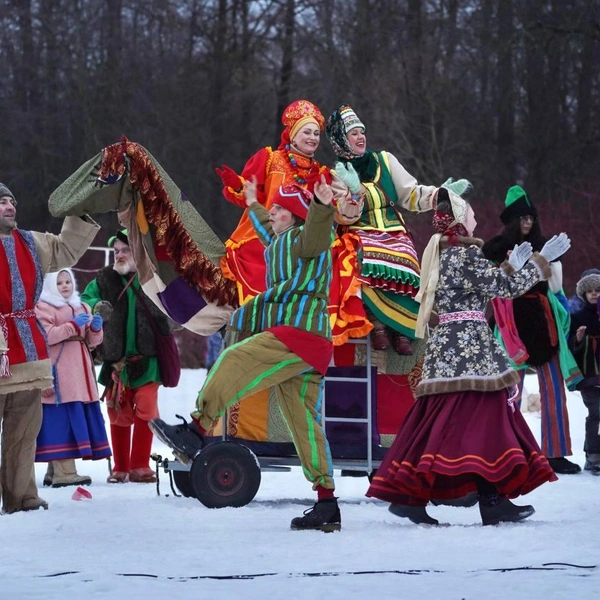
(520, 254)
(348, 175)
(556, 246)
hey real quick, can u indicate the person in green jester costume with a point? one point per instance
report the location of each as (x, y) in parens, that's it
(289, 347)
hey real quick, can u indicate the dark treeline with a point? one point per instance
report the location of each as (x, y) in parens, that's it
(498, 91)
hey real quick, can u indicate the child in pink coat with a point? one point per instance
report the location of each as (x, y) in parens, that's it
(72, 425)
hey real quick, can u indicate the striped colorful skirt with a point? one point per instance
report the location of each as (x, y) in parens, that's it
(447, 441)
(390, 275)
(72, 430)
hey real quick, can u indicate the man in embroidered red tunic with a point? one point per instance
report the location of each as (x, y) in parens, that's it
(25, 369)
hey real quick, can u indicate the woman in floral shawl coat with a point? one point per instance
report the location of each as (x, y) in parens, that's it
(463, 433)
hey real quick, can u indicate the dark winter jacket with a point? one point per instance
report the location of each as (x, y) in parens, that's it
(586, 352)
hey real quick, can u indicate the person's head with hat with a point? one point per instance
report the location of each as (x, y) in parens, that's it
(8, 210)
(346, 133)
(588, 287)
(303, 123)
(124, 262)
(289, 207)
(519, 211)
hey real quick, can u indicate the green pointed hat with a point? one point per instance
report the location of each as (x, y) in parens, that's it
(517, 204)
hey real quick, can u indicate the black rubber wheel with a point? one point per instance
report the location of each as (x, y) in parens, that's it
(225, 474)
(183, 481)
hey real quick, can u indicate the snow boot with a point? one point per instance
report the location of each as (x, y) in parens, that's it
(496, 508)
(65, 474)
(185, 440)
(323, 516)
(562, 466)
(592, 463)
(49, 474)
(416, 514)
(34, 504)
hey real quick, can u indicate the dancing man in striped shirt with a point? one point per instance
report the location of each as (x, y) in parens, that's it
(289, 345)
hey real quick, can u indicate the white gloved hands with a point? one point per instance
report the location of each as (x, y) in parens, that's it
(346, 172)
(520, 254)
(556, 246)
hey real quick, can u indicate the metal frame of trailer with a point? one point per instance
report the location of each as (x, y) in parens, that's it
(227, 473)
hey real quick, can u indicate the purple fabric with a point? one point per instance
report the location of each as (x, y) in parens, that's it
(349, 399)
(181, 301)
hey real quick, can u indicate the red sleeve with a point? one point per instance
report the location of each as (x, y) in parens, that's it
(257, 167)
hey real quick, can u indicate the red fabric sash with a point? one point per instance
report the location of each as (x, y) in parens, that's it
(14, 309)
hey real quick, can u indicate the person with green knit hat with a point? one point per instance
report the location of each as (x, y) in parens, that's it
(533, 329)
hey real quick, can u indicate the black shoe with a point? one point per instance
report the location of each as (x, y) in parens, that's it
(593, 466)
(350, 473)
(470, 499)
(323, 516)
(562, 466)
(495, 508)
(185, 439)
(416, 514)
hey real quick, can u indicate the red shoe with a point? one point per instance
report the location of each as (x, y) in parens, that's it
(379, 338)
(402, 345)
(144, 475)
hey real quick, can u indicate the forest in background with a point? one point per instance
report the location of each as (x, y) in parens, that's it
(496, 91)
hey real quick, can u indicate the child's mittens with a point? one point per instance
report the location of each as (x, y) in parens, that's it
(97, 321)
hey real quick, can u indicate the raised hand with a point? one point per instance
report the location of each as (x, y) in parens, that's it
(230, 178)
(556, 246)
(250, 190)
(323, 191)
(347, 173)
(520, 254)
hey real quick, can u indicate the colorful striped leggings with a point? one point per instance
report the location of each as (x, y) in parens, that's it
(556, 439)
(259, 363)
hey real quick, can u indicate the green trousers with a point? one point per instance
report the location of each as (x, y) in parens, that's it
(259, 363)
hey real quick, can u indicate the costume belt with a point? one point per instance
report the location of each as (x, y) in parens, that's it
(463, 315)
(27, 313)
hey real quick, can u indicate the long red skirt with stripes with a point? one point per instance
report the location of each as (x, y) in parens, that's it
(447, 441)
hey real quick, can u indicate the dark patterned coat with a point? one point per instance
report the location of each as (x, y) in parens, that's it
(464, 355)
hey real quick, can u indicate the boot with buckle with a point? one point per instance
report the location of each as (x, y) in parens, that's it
(323, 516)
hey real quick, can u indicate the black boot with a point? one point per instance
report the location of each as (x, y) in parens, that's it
(496, 508)
(562, 466)
(323, 516)
(466, 501)
(416, 514)
(185, 439)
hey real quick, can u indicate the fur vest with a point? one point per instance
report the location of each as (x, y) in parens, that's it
(111, 284)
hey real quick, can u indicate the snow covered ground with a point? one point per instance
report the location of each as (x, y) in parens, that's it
(127, 542)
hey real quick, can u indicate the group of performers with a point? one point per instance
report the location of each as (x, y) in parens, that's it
(463, 435)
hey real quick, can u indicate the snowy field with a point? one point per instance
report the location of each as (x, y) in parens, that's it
(127, 542)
